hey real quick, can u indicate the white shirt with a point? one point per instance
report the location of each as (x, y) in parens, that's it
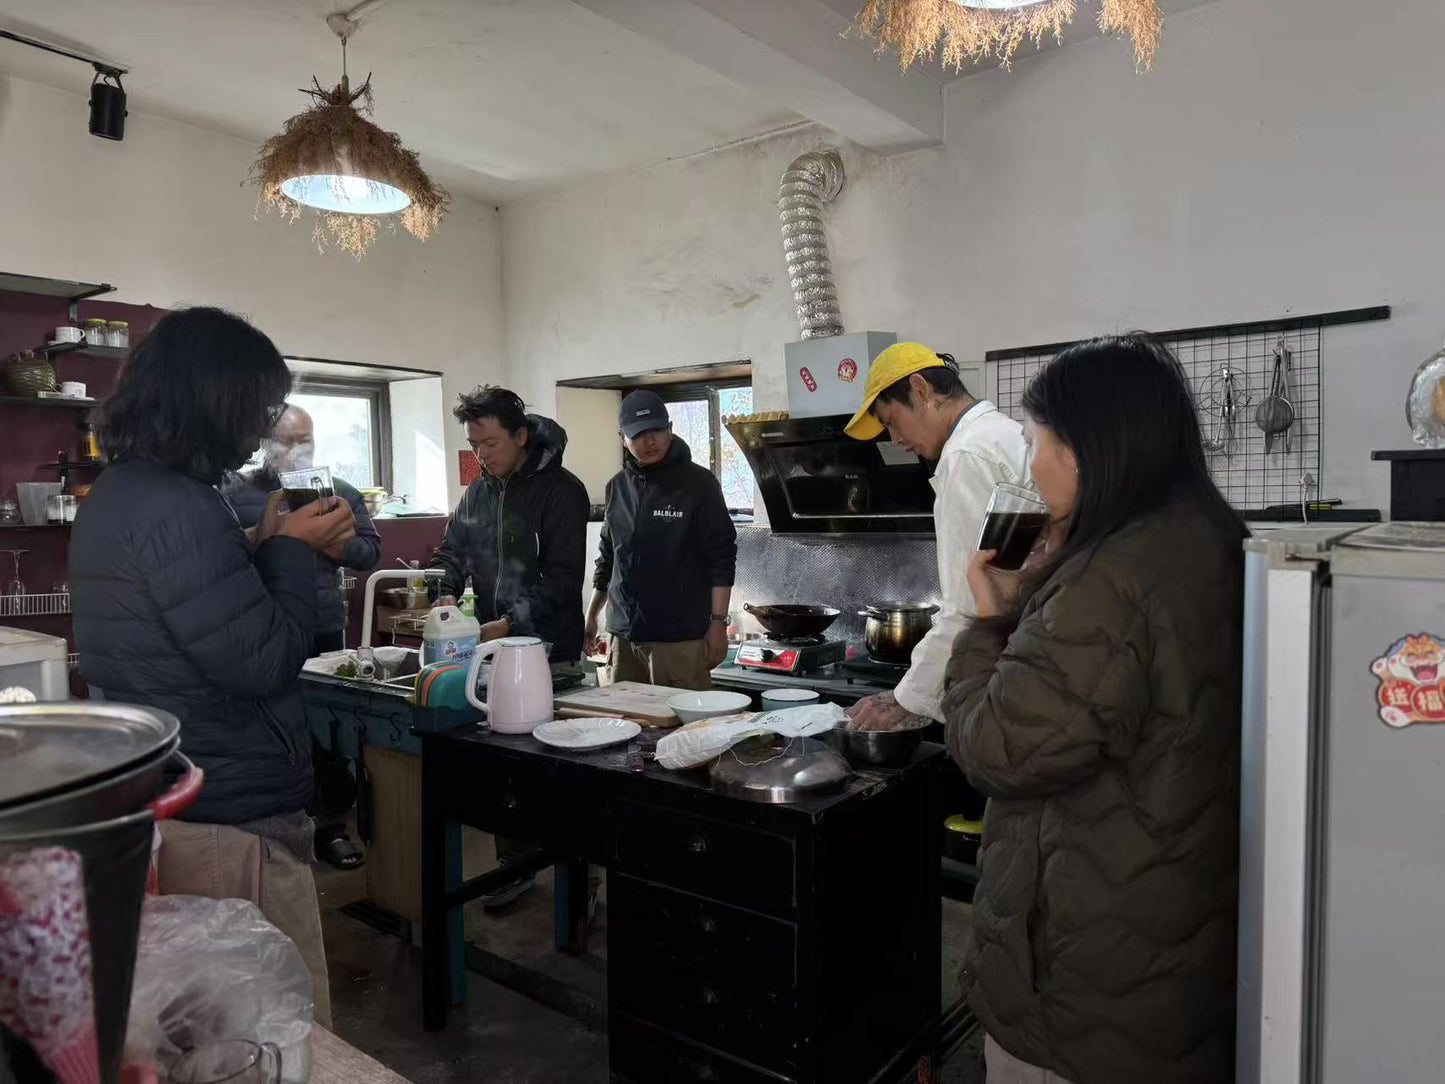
(985, 448)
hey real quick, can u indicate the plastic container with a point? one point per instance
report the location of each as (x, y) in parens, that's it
(33, 497)
(449, 635)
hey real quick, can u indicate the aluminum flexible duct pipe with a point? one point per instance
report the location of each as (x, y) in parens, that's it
(813, 179)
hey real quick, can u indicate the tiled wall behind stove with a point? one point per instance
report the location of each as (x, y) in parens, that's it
(848, 573)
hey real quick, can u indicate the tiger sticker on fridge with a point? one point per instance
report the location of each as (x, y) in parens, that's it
(1411, 687)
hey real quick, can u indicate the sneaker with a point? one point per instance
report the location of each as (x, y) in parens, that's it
(508, 893)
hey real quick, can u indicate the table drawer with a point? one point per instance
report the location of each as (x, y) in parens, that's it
(640, 1054)
(521, 799)
(720, 975)
(712, 858)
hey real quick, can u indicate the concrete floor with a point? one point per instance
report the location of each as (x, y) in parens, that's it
(500, 1036)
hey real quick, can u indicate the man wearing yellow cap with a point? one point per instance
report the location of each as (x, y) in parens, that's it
(917, 396)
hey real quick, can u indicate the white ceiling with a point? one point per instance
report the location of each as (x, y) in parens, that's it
(498, 97)
(504, 98)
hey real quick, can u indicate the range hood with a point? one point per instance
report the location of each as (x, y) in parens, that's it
(816, 480)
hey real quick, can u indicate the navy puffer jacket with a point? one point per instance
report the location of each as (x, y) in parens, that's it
(172, 610)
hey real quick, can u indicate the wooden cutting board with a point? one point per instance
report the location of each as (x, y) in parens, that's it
(646, 704)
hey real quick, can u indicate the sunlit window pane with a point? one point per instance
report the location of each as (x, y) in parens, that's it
(736, 476)
(343, 434)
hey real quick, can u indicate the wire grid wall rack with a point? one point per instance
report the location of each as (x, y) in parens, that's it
(1247, 475)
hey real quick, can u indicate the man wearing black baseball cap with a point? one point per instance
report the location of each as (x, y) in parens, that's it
(666, 563)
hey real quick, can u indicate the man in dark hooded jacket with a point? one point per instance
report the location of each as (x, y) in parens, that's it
(519, 535)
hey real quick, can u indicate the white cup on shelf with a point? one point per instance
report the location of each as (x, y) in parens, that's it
(68, 334)
(72, 389)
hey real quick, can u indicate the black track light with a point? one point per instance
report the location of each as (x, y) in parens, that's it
(107, 104)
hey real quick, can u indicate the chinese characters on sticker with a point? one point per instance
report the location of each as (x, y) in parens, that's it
(1411, 690)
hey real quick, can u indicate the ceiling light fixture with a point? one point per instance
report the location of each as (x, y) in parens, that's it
(968, 31)
(351, 173)
(107, 99)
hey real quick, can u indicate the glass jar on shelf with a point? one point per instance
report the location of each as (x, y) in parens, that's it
(97, 333)
(118, 334)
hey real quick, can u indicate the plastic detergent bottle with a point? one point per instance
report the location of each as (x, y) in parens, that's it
(468, 603)
(449, 636)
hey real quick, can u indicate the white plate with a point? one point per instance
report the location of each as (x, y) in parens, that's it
(586, 733)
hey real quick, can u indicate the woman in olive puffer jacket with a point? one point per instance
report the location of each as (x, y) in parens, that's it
(1096, 702)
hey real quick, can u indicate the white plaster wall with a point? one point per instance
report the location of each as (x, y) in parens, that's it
(164, 216)
(418, 458)
(1283, 157)
(594, 452)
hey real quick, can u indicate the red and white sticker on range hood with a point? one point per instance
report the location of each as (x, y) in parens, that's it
(826, 376)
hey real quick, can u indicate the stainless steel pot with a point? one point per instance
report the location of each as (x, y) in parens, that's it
(52, 749)
(894, 629)
(141, 786)
(884, 748)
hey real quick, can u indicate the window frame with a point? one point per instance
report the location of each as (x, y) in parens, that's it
(704, 389)
(378, 398)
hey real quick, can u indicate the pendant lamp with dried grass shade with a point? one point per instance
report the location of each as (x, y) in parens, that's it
(967, 31)
(354, 175)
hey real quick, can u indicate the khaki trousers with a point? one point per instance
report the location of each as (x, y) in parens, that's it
(1004, 1068)
(222, 862)
(682, 665)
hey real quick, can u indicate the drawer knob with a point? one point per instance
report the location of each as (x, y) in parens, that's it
(509, 801)
(707, 924)
(697, 844)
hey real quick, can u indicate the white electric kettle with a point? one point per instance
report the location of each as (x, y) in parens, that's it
(519, 693)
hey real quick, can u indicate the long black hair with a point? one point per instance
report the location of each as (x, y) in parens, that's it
(197, 394)
(1122, 405)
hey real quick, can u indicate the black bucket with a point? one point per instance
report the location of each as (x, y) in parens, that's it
(115, 856)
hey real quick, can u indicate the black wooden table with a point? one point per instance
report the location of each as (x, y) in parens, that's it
(747, 942)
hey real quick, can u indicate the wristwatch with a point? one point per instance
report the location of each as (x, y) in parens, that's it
(721, 619)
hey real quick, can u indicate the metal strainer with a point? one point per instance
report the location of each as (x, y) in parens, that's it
(1275, 413)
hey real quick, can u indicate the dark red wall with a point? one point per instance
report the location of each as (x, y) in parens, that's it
(33, 435)
(410, 539)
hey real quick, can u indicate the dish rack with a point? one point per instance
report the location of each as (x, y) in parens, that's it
(45, 605)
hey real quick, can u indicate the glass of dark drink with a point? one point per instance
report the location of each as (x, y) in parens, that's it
(301, 487)
(1015, 519)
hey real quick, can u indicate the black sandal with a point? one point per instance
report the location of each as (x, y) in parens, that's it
(342, 853)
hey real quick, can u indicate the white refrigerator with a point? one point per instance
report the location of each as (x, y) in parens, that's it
(1342, 872)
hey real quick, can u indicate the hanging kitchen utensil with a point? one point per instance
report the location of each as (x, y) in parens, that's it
(1275, 413)
(1286, 391)
(1425, 405)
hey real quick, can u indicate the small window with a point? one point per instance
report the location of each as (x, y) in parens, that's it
(351, 429)
(697, 412)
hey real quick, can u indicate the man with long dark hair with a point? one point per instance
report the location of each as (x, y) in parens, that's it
(1096, 702)
(917, 396)
(176, 607)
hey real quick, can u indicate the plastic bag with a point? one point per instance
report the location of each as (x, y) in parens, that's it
(697, 743)
(209, 970)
